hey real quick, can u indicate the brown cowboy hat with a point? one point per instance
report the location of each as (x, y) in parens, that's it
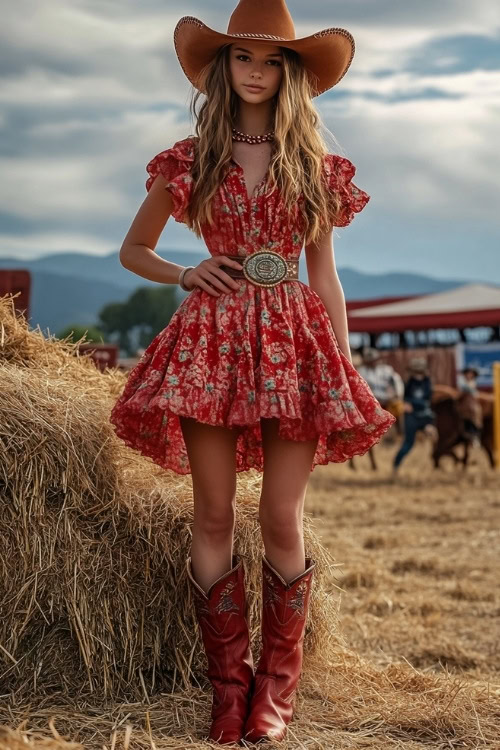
(327, 54)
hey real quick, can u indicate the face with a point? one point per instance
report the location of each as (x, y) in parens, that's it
(260, 64)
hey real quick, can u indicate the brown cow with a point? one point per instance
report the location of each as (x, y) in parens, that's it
(450, 425)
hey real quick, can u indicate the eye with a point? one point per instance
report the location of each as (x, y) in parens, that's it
(271, 61)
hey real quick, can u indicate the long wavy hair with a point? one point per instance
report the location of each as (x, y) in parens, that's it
(296, 165)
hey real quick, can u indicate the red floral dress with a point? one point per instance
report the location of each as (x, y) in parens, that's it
(256, 351)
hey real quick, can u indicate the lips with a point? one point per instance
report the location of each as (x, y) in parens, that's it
(256, 88)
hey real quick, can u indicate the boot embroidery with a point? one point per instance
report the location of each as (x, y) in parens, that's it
(226, 602)
(297, 602)
(272, 595)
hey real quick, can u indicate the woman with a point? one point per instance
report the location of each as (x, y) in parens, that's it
(254, 369)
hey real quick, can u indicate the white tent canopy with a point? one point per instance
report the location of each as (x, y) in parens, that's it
(468, 305)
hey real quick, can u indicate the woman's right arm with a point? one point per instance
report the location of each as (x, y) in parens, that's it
(137, 253)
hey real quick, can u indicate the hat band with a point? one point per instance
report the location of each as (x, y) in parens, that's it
(261, 36)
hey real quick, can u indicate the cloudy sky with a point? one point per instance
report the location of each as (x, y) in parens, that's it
(91, 90)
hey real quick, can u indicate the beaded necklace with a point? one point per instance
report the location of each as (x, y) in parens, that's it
(239, 136)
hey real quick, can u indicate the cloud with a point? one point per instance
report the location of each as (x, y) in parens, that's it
(71, 48)
(456, 54)
(429, 158)
(91, 90)
(55, 241)
(392, 14)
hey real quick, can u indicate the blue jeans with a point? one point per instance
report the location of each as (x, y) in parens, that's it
(412, 425)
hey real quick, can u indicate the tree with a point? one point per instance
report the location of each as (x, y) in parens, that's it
(91, 333)
(113, 319)
(142, 316)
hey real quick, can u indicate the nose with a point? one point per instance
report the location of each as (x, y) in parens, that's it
(256, 73)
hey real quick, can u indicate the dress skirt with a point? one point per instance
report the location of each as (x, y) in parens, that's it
(230, 360)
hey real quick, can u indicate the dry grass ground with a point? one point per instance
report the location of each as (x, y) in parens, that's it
(419, 560)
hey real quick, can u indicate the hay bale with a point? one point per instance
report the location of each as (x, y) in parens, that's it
(93, 582)
(25, 347)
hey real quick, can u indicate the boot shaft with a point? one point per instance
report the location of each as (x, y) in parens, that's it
(284, 611)
(222, 619)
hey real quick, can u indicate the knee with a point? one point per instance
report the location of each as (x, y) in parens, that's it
(215, 519)
(281, 527)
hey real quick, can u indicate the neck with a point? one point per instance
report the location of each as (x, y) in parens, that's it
(254, 119)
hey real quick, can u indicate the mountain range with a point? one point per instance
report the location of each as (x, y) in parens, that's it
(71, 288)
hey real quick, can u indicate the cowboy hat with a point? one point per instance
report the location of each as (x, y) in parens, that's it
(417, 364)
(327, 54)
(470, 368)
(370, 355)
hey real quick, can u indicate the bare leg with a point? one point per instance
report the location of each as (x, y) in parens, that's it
(287, 468)
(212, 456)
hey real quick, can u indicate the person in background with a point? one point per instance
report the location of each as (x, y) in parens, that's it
(385, 383)
(417, 407)
(469, 405)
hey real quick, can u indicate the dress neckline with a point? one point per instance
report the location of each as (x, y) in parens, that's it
(250, 198)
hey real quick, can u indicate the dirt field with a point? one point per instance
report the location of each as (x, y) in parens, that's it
(419, 559)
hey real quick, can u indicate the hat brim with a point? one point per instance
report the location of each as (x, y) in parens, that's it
(327, 54)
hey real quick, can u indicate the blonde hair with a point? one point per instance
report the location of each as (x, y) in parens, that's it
(296, 164)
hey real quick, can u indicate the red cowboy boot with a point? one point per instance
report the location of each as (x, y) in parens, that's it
(222, 619)
(284, 612)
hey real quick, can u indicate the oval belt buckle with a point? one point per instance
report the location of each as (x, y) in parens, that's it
(265, 268)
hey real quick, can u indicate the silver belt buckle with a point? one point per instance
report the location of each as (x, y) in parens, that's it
(265, 268)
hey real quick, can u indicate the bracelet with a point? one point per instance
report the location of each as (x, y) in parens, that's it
(181, 278)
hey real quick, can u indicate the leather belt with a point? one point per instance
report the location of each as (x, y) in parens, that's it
(264, 268)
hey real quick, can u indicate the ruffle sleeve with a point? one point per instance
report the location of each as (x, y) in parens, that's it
(175, 165)
(339, 174)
